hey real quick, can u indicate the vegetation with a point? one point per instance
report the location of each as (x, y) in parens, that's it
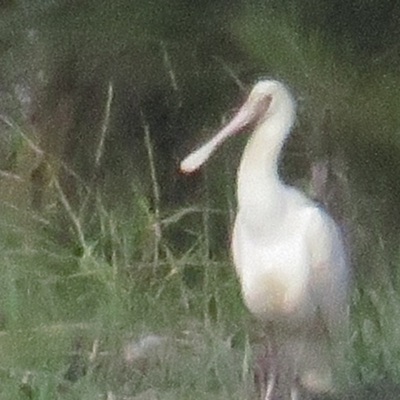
(115, 278)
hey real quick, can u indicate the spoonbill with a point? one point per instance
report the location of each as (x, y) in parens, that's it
(287, 251)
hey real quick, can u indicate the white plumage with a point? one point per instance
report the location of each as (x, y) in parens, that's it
(288, 253)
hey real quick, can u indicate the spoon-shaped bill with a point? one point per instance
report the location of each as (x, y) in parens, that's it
(196, 159)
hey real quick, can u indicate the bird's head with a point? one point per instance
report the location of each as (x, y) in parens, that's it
(267, 99)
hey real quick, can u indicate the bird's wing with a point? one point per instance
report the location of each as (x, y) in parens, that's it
(329, 270)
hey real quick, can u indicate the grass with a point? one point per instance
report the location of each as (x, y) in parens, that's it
(75, 316)
(70, 313)
(111, 304)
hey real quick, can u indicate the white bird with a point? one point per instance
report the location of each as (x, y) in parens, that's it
(288, 253)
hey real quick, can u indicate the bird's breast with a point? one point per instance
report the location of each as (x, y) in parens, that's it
(274, 273)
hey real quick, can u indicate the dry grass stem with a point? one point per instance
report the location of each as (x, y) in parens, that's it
(231, 73)
(52, 328)
(105, 125)
(168, 66)
(156, 190)
(10, 175)
(95, 350)
(70, 212)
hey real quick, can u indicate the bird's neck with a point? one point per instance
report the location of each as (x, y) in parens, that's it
(258, 179)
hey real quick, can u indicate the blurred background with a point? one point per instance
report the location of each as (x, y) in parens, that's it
(115, 277)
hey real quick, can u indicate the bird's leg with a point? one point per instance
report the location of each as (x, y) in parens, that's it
(266, 371)
(260, 372)
(270, 385)
(294, 389)
(294, 393)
